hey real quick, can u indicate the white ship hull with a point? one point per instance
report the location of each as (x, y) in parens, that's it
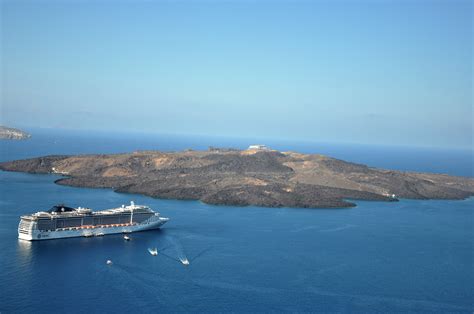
(35, 235)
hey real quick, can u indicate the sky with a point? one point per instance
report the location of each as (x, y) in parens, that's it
(375, 72)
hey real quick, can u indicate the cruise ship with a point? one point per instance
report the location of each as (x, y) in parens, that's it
(67, 222)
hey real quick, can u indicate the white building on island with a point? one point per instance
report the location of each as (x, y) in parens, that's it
(258, 147)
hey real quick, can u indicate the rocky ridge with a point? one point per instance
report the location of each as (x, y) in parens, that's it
(13, 134)
(247, 177)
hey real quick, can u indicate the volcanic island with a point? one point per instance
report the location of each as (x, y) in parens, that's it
(257, 176)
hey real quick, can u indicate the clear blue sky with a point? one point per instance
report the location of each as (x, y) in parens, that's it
(391, 72)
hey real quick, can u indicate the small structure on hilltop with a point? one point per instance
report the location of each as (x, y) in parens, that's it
(258, 147)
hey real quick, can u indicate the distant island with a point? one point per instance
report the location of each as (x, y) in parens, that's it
(13, 134)
(257, 176)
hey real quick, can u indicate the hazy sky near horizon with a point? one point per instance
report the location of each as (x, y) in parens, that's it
(391, 72)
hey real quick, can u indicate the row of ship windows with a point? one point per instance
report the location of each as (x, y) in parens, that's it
(25, 224)
(88, 227)
(94, 218)
(127, 216)
(67, 224)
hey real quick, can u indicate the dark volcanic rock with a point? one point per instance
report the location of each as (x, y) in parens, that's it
(35, 165)
(231, 177)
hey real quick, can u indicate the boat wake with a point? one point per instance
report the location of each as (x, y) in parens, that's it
(153, 252)
(344, 227)
(179, 251)
(178, 255)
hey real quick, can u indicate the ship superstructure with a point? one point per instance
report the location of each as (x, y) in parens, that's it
(66, 222)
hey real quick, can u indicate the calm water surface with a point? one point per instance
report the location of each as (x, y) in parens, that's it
(377, 257)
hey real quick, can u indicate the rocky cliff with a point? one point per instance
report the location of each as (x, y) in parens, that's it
(251, 177)
(13, 134)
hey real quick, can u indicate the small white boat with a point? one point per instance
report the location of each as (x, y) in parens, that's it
(185, 261)
(109, 262)
(126, 238)
(153, 252)
(100, 234)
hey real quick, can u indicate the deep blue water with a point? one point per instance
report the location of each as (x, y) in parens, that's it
(377, 257)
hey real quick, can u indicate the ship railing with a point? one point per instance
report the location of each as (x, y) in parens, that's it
(96, 227)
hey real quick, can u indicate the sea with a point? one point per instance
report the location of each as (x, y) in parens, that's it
(407, 256)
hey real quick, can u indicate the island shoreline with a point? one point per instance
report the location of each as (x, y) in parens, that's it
(265, 178)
